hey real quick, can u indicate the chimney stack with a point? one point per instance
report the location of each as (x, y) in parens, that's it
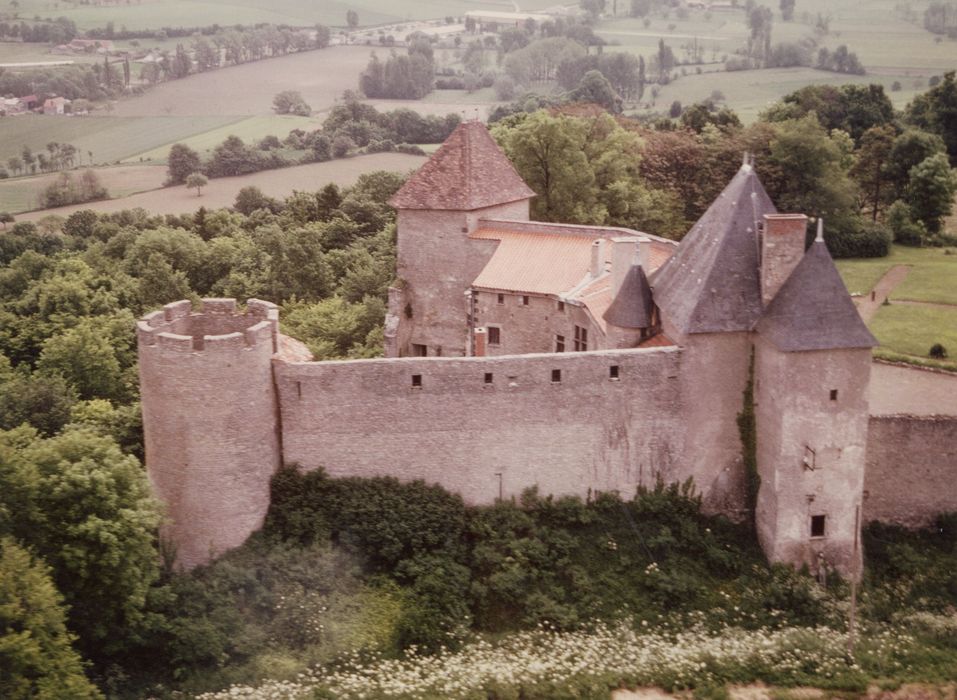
(781, 248)
(624, 254)
(597, 258)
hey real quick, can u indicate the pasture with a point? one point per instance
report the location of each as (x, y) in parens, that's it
(912, 330)
(932, 275)
(221, 192)
(110, 139)
(22, 193)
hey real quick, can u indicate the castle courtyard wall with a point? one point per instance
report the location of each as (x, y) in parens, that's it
(911, 473)
(588, 432)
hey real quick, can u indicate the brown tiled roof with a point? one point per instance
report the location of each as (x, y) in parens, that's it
(469, 171)
(711, 283)
(657, 341)
(812, 310)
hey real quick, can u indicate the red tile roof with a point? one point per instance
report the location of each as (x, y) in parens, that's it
(468, 172)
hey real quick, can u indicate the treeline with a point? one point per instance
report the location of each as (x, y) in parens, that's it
(350, 128)
(839, 153)
(58, 31)
(73, 82)
(403, 76)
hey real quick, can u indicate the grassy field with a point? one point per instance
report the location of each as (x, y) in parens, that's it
(891, 48)
(248, 89)
(912, 330)
(154, 14)
(110, 139)
(221, 192)
(22, 193)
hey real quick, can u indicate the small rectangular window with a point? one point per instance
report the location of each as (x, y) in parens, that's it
(561, 306)
(299, 389)
(501, 298)
(488, 377)
(494, 335)
(613, 372)
(559, 343)
(524, 300)
(416, 381)
(419, 350)
(833, 394)
(818, 525)
(556, 375)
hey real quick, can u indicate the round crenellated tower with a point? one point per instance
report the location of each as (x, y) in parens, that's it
(210, 420)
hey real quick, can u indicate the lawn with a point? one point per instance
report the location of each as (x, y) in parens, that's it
(22, 193)
(110, 139)
(933, 275)
(912, 330)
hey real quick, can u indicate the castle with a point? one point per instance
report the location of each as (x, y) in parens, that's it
(571, 358)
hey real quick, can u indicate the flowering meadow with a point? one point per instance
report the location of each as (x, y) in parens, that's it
(588, 664)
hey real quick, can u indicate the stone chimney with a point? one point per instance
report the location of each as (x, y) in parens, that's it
(480, 337)
(624, 254)
(781, 248)
(597, 258)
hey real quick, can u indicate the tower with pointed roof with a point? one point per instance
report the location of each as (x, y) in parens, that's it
(812, 369)
(468, 179)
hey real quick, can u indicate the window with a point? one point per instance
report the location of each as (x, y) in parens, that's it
(833, 394)
(419, 350)
(559, 343)
(561, 306)
(488, 377)
(818, 525)
(416, 381)
(810, 459)
(501, 298)
(581, 338)
(613, 372)
(556, 375)
(299, 389)
(494, 335)
(524, 300)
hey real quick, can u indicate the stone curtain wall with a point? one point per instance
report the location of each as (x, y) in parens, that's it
(911, 469)
(587, 432)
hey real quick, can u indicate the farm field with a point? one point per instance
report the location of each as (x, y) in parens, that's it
(248, 89)
(154, 14)
(250, 130)
(21, 194)
(221, 192)
(110, 139)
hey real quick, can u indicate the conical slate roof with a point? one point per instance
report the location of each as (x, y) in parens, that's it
(469, 171)
(711, 284)
(813, 310)
(632, 307)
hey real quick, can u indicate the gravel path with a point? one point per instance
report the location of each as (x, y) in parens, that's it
(896, 389)
(867, 306)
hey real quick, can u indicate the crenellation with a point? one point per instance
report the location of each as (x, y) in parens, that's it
(174, 342)
(177, 309)
(219, 306)
(227, 342)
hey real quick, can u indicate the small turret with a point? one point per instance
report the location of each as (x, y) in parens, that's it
(210, 420)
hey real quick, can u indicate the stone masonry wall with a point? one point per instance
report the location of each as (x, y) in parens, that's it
(210, 421)
(532, 328)
(911, 469)
(490, 426)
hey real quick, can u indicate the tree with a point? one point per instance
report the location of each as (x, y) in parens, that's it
(182, 161)
(291, 102)
(323, 35)
(6, 218)
(36, 652)
(936, 111)
(787, 10)
(352, 19)
(85, 507)
(595, 88)
(870, 168)
(196, 181)
(930, 192)
(86, 357)
(250, 198)
(910, 148)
